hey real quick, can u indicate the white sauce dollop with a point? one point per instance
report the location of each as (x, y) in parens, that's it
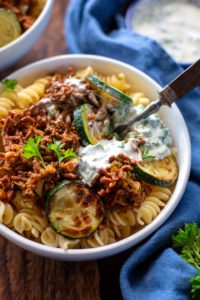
(77, 84)
(174, 24)
(51, 108)
(96, 157)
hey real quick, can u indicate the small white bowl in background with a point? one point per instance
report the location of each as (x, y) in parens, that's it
(12, 52)
(172, 118)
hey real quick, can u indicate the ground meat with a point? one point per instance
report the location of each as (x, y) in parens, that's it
(59, 92)
(26, 22)
(116, 183)
(71, 92)
(19, 173)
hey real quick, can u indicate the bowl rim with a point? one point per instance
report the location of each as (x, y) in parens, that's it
(43, 13)
(128, 20)
(128, 242)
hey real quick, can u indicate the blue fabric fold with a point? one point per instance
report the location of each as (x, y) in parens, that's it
(153, 271)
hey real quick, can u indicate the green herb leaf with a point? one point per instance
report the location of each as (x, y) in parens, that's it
(9, 84)
(146, 155)
(69, 153)
(187, 243)
(100, 146)
(122, 145)
(57, 148)
(31, 149)
(107, 132)
(195, 291)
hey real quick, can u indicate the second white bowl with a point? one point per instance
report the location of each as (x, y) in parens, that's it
(12, 52)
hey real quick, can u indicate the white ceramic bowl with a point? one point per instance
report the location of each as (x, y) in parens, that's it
(172, 118)
(13, 51)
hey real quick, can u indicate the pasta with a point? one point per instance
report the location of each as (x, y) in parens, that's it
(152, 204)
(21, 98)
(139, 98)
(96, 195)
(29, 220)
(101, 237)
(32, 93)
(9, 100)
(121, 222)
(50, 238)
(6, 213)
(118, 81)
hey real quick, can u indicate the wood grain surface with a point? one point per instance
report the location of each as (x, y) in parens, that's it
(24, 276)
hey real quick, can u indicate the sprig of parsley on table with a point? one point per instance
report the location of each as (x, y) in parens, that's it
(187, 243)
(31, 149)
(9, 84)
(56, 147)
(195, 291)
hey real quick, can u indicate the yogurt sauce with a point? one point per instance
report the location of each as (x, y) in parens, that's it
(96, 157)
(77, 84)
(174, 24)
(151, 131)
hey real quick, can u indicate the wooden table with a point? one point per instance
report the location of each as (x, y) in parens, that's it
(25, 276)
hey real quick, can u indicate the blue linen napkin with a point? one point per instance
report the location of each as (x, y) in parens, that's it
(154, 271)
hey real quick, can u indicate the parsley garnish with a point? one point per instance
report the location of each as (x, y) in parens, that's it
(187, 244)
(31, 149)
(195, 291)
(100, 146)
(9, 84)
(56, 147)
(106, 132)
(122, 145)
(146, 155)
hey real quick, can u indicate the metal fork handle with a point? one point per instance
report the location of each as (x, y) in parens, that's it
(182, 84)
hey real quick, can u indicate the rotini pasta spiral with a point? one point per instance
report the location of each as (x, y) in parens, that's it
(9, 100)
(152, 204)
(50, 238)
(83, 73)
(101, 237)
(122, 218)
(139, 98)
(122, 222)
(30, 220)
(6, 213)
(65, 243)
(32, 93)
(118, 81)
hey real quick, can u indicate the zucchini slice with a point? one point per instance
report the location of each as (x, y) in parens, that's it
(158, 172)
(73, 210)
(87, 129)
(10, 28)
(109, 90)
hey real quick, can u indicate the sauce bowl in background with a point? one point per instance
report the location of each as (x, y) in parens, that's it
(173, 24)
